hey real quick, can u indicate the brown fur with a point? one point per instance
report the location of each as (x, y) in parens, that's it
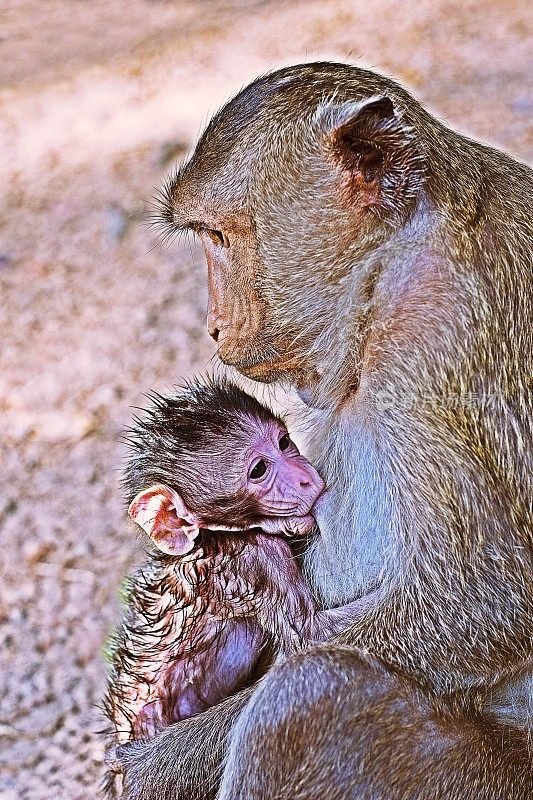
(396, 294)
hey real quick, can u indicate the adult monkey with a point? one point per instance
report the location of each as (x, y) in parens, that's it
(381, 263)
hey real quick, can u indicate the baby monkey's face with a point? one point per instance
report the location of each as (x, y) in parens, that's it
(281, 481)
(250, 476)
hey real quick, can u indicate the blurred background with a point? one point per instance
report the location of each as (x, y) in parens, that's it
(97, 101)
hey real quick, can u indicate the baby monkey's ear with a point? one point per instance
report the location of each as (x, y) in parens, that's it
(166, 519)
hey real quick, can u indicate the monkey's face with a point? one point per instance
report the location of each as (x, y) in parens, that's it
(288, 197)
(238, 317)
(278, 480)
(257, 479)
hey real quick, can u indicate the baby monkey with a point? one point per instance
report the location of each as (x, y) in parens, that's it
(215, 481)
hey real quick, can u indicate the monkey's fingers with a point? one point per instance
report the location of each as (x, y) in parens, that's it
(299, 526)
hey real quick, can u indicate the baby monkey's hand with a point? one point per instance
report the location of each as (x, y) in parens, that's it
(289, 526)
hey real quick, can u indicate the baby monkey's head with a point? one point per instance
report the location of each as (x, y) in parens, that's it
(212, 457)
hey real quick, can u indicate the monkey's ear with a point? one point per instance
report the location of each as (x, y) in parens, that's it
(166, 519)
(372, 143)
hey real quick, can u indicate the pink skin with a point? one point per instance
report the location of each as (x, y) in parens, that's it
(284, 482)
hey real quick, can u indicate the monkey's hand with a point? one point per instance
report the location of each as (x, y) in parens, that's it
(185, 761)
(288, 526)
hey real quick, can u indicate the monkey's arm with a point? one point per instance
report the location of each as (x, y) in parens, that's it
(330, 622)
(184, 762)
(285, 607)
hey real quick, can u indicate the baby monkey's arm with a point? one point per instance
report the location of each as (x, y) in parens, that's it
(286, 610)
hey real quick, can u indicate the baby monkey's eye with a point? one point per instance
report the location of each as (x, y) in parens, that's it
(284, 442)
(258, 470)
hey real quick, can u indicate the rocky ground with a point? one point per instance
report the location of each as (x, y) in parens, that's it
(97, 100)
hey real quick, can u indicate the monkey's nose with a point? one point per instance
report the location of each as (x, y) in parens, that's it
(214, 333)
(318, 484)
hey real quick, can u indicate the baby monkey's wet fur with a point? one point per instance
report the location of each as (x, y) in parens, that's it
(198, 626)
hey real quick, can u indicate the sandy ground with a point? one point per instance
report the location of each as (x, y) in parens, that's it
(96, 102)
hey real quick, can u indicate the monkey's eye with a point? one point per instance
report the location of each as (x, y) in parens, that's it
(284, 442)
(258, 470)
(217, 237)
